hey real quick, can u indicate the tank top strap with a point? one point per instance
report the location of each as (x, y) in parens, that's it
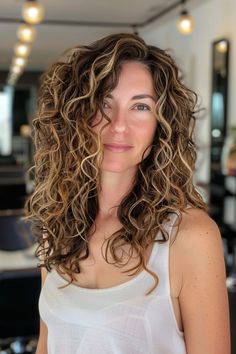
(160, 259)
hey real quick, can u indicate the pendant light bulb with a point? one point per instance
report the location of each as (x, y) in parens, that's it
(26, 33)
(16, 69)
(185, 23)
(19, 61)
(22, 50)
(32, 12)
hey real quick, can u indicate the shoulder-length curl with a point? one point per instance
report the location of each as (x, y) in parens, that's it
(64, 204)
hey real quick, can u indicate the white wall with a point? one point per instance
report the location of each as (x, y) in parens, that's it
(214, 20)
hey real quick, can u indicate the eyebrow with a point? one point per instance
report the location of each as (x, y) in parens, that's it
(137, 97)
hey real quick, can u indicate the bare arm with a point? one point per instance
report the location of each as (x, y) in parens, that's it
(42, 342)
(203, 297)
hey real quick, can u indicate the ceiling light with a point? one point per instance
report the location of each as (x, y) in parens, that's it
(25, 130)
(19, 61)
(16, 69)
(22, 50)
(185, 21)
(26, 33)
(32, 12)
(13, 76)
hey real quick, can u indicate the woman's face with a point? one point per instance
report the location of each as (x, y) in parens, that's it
(131, 108)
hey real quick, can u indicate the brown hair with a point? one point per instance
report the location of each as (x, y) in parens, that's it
(64, 204)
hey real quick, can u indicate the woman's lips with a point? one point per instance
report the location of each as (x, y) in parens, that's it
(117, 147)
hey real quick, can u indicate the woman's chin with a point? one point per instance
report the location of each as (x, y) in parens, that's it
(117, 168)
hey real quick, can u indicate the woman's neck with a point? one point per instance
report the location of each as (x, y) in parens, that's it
(114, 187)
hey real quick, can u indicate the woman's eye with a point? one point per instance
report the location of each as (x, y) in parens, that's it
(142, 107)
(105, 105)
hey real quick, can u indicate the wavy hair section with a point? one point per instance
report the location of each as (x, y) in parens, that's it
(68, 155)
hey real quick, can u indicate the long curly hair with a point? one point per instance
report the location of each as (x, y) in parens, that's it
(68, 155)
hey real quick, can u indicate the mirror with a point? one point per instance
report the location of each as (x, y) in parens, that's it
(220, 55)
(220, 59)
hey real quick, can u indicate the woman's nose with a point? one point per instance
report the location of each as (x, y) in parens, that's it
(119, 122)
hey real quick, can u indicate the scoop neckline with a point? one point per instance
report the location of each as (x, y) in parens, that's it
(118, 286)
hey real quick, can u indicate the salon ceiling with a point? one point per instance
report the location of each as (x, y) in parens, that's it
(99, 17)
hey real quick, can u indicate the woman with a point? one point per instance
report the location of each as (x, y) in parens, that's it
(131, 262)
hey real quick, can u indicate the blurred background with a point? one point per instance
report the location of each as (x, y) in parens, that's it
(199, 34)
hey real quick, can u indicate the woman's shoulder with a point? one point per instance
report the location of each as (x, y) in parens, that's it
(199, 241)
(195, 229)
(196, 244)
(198, 238)
(196, 221)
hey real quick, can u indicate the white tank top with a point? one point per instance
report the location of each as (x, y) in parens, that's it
(115, 320)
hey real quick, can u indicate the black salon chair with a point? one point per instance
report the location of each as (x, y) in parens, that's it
(20, 284)
(12, 187)
(15, 234)
(19, 317)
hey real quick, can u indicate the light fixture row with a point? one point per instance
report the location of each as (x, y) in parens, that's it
(32, 13)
